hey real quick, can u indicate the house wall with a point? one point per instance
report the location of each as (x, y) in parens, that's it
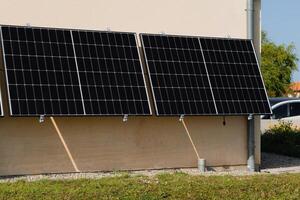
(107, 143)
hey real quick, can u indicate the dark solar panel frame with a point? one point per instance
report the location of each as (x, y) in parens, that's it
(4, 67)
(1, 105)
(1, 98)
(1, 56)
(82, 100)
(266, 109)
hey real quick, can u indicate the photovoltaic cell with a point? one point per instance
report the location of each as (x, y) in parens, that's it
(178, 75)
(235, 77)
(111, 74)
(41, 72)
(204, 76)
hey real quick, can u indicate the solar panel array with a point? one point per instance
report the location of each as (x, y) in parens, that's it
(58, 72)
(204, 76)
(61, 72)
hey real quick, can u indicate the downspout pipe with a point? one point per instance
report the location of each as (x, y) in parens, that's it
(250, 121)
(250, 19)
(251, 144)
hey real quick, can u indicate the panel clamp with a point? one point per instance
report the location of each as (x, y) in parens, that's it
(181, 118)
(125, 118)
(42, 118)
(250, 117)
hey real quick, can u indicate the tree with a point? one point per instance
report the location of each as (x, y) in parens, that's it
(277, 65)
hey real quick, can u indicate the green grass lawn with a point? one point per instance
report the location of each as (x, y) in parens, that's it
(165, 186)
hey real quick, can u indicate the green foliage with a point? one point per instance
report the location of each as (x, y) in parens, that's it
(282, 139)
(278, 64)
(164, 186)
(264, 37)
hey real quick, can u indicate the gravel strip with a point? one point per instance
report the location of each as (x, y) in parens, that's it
(66, 176)
(271, 163)
(99, 175)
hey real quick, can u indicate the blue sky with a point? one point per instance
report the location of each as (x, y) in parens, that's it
(281, 20)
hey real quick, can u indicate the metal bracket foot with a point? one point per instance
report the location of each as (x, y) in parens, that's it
(42, 118)
(125, 118)
(181, 118)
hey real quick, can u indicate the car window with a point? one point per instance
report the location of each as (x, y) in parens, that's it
(266, 117)
(280, 112)
(294, 109)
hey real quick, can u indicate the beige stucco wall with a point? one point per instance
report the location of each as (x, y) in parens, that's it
(205, 17)
(109, 144)
(106, 143)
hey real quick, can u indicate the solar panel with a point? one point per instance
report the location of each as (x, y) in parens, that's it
(111, 74)
(60, 72)
(204, 76)
(235, 76)
(41, 72)
(178, 75)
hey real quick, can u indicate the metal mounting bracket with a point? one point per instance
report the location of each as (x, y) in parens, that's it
(181, 118)
(41, 119)
(250, 117)
(125, 118)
